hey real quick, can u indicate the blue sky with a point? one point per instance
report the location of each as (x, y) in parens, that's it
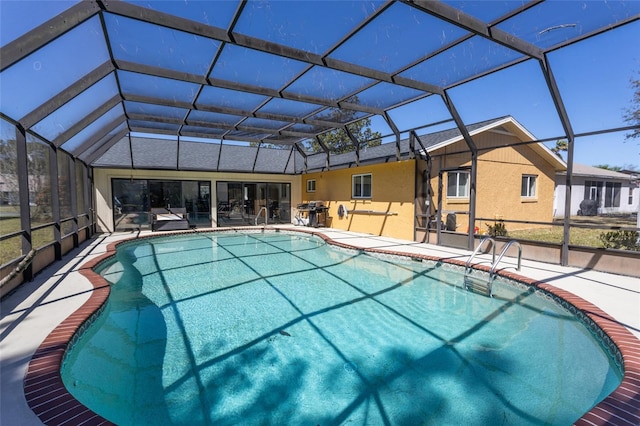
(593, 76)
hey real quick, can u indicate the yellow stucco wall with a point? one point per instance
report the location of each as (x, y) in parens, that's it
(390, 211)
(391, 205)
(499, 179)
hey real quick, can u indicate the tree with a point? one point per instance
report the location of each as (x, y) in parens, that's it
(38, 176)
(632, 115)
(561, 145)
(270, 145)
(337, 140)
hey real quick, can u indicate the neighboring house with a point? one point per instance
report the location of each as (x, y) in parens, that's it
(609, 192)
(9, 188)
(401, 198)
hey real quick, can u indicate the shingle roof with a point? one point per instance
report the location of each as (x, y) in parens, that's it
(437, 138)
(387, 151)
(584, 170)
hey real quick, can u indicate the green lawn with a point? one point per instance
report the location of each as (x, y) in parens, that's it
(12, 248)
(577, 236)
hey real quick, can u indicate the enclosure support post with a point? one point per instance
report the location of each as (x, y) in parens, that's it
(23, 198)
(88, 206)
(55, 202)
(74, 200)
(326, 153)
(422, 191)
(355, 142)
(566, 124)
(474, 166)
(396, 132)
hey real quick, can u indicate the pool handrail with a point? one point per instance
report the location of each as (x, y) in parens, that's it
(477, 250)
(492, 271)
(258, 215)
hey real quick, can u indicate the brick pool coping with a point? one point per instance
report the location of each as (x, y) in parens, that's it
(49, 399)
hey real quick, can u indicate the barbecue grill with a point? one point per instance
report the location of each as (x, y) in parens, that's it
(316, 211)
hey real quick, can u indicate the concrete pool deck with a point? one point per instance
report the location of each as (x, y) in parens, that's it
(35, 309)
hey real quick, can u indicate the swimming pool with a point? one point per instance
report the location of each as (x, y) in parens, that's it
(281, 328)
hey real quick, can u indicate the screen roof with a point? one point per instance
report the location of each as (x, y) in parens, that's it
(93, 77)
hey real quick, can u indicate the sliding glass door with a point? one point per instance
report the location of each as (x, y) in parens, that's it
(248, 203)
(132, 199)
(130, 204)
(239, 203)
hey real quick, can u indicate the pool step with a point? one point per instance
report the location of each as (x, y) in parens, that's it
(478, 285)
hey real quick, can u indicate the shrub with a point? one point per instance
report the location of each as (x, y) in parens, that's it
(497, 229)
(623, 240)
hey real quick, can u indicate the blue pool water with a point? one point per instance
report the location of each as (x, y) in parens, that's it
(280, 328)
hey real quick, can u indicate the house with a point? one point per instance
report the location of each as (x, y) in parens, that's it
(400, 190)
(406, 198)
(597, 191)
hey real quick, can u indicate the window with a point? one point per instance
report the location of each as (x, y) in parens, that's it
(458, 184)
(612, 194)
(311, 185)
(593, 190)
(528, 188)
(630, 196)
(361, 187)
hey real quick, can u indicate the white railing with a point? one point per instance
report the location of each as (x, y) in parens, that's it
(471, 283)
(492, 272)
(265, 216)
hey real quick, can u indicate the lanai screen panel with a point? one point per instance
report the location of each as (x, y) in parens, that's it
(375, 46)
(271, 160)
(283, 72)
(291, 24)
(610, 86)
(118, 155)
(154, 153)
(316, 162)
(72, 113)
(198, 156)
(287, 107)
(138, 85)
(94, 129)
(234, 158)
(46, 72)
(25, 19)
(157, 46)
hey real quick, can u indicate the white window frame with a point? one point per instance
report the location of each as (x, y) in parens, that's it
(358, 187)
(530, 189)
(311, 185)
(455, 174)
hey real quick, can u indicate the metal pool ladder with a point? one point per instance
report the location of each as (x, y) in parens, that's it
(478, 284)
